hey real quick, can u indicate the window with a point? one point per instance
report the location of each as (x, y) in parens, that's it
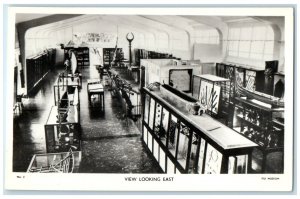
(179, 41)
(163, 42)
(207, 36)
(255, 42)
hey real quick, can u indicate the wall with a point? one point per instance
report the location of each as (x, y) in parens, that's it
(277, 25)
(24, 26)
(208, 52)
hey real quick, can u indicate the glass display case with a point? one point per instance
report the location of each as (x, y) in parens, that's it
(185, 143)
(62, 131)
(66, 90)
(262, 124)
(214, 94)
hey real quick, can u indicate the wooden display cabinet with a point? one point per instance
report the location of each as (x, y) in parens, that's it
(37, 68)
(262, 124)
(108, 54)
(82, 55)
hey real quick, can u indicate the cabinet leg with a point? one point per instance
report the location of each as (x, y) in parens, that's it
(249, 170)
(224, 167)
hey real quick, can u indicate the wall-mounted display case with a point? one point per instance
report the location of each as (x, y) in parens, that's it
(185, 143)
(38, 66)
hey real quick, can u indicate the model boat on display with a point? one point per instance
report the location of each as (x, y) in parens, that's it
(269, 99)
(65, 162)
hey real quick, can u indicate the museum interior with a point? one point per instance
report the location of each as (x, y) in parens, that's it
(175, 94)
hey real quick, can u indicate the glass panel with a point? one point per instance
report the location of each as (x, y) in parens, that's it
(257, 46)
(157, 127)
(232, 53)
(201, 155)
(170, 167)
(241, 164)
(173, 134)
(67, 137)
(183, 144)
(213, 161)
(244, 46)
(246, 33)
(268, 57)
(259, 33)
(164, 128)
(250, 80)
(234, 33)
(205, 40)
(235, 45)
(155, 149)
(162, 159)
(269, 47)
(256, 56)
(146, 111)
(145, 135)
(151, 116)
(196, 86)
(150, 141)
(244, 54)
(195, 142)
(231, 165)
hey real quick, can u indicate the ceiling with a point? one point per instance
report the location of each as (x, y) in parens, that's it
(152, 23)
(22, 17)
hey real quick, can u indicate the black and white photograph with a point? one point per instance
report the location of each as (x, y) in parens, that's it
(138, 96)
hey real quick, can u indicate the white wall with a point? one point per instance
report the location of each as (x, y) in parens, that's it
(208, 52)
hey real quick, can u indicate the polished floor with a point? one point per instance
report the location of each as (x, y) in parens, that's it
(111, 143)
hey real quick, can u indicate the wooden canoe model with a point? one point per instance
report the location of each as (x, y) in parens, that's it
(269, 99)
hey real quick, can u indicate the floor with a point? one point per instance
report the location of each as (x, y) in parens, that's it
(111, 143)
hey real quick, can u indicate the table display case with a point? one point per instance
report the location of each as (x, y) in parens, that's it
(62, 130)
(95, 92)
(182, 142)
